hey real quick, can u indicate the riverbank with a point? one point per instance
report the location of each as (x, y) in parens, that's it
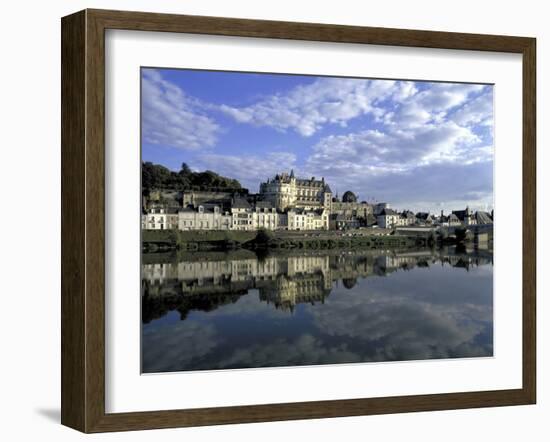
(167, 240)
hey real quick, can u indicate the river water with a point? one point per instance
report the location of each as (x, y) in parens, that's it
(207, 311)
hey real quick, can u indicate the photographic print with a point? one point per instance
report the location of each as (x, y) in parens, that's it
(300, 220)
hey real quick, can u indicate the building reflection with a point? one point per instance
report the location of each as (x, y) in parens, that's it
(208, 281)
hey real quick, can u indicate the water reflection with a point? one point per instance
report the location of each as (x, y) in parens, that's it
(216, 310)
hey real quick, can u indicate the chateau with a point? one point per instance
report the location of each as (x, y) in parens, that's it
(285, 191)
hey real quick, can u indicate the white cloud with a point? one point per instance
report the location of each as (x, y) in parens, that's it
(172, 118)
(250, 170)
(393, 150)
(477, 111)
(404, 90)
(307, 108)
(430, 105)
(435, 130)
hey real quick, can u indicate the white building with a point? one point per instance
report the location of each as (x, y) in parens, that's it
(388, 219)
(159, 218)
(407, 218)
(204, 218)
(266, 216)
(242, 215)
(299, 219)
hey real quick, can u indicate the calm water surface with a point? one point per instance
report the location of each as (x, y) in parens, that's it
(223, 311)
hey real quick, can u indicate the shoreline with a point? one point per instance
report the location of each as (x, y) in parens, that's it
(154, 241)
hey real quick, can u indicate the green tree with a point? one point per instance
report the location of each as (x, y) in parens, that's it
(155, 176)
(185, 169)
(264, 236)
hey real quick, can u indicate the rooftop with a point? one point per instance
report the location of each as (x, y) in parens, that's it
(240, 203)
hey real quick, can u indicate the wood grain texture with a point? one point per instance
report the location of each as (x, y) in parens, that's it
(530, 220)
(73, 252)
(144, 21)
(95, 222)
(83, 220)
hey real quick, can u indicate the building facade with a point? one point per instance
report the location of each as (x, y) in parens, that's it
(388, 219)
(301, 219)
(285, 202)
(160, 218)
(449, 221)
(285, 191)
(467, 217)
(343, 222)
(204, 218)
(407, 218)
(265, 216)
(379, 207)
(351, 209)
(195, 198)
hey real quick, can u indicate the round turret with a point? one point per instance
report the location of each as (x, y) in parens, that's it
(349, 197)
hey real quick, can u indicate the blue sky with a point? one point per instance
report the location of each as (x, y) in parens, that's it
(416, 145)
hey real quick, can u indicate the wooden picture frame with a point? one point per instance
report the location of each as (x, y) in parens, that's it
(83, 220)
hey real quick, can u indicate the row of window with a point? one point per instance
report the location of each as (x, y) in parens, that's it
(203, 224)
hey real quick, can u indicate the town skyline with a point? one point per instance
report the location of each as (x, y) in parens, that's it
(417, 145)
(339, 195)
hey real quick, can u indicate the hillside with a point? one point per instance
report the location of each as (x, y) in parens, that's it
(155, 176)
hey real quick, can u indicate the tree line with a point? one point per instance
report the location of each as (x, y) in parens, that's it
(155, 176)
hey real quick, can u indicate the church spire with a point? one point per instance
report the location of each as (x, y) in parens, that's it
(291, 173)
